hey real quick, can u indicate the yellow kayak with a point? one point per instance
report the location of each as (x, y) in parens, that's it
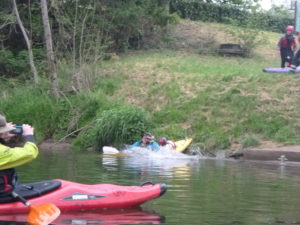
(182, 145)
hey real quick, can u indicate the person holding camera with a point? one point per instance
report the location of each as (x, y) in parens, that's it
(11, 157)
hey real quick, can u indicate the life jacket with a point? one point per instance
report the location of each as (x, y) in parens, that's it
(287, 41)
(8, 180)
(146, 145)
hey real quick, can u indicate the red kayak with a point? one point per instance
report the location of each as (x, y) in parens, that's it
(68, 195)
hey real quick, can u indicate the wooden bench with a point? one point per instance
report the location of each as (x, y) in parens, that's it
(232, 50)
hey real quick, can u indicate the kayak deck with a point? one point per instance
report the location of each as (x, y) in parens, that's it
(182, 145)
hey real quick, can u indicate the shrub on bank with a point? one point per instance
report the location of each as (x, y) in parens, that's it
(249, 141)
(117, 126)
(52, 118)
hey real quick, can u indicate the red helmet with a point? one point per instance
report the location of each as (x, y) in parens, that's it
(290, 28)
(162, 141)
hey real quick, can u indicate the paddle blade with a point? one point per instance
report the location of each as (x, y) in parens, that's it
(42, 214)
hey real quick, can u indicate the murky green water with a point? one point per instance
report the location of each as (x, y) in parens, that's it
(201, 191)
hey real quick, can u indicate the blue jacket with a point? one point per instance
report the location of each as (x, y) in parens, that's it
(153, 146)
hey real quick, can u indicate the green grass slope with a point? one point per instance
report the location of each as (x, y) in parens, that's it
(221, 102)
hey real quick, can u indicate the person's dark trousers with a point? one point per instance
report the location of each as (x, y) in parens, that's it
(283, 57)
(286, 56)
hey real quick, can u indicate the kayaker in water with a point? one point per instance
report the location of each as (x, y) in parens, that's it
(164, 142)
(11, 157)
(146, 142)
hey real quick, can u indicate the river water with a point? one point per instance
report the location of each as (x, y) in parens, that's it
(206, 191)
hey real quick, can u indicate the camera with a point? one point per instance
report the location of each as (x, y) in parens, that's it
(17, 130)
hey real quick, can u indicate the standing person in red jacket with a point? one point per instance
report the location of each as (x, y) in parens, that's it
(287, 46)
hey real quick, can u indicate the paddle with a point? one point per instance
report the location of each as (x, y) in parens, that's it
(39, 214)
(110, 150)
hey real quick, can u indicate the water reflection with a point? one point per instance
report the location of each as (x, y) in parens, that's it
(104, 217)
(112, 217)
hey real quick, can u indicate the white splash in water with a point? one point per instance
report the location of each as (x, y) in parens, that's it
(164, 153)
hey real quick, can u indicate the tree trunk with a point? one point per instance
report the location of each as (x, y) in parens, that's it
(49, 48)
(28, 44)
(76, 73)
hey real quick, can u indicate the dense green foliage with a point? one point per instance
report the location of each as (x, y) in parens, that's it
(123, 124)
(24, 104)
(52, 118)
(226, 13)
(13, 65)
(83, 31)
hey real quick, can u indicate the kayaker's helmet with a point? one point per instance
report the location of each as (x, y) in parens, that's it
(290, 28)
(162, 141)
(148, 137)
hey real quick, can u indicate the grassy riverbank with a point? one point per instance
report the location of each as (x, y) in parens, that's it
(218, 101)
(222, 102)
